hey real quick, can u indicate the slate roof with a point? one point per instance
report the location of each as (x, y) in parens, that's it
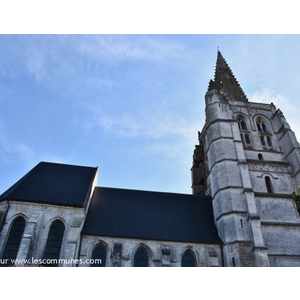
(151, 215)
(53, 183)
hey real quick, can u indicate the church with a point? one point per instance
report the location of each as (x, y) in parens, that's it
(241, 212)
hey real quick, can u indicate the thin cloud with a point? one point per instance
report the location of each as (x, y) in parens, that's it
(120, 47)
(14, 150)
(289, 109)
(96, 82)
(151, 125)
(268, 96)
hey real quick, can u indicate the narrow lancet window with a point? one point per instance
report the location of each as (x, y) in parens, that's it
(268, 184)
(245, 137)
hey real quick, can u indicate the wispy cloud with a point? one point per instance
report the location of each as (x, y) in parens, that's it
(72, 62)
(289, 108)
(36, 65)
(96, 82)
(124, 47)
(151, 125)
(14, 150)
(268, 96)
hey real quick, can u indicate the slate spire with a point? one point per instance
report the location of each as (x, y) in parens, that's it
(225, 81)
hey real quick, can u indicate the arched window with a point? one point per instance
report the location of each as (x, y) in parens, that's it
(98, 257)
(268, 184)
(242, 124)
(54, 242)
(245, 137)
(14, 240)
(188, 259)
(261, 126)
(260, 156)
(141, 258)
(264, 134)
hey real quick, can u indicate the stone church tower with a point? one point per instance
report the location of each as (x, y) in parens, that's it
(248, 160)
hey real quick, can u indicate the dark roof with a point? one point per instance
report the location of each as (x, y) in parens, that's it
(151, 215)
(53, 183)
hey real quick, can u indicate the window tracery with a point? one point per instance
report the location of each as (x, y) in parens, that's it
(264, 134)
(245, 134)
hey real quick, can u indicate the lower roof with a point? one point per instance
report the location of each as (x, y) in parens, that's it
(151, 215)
(53, 183)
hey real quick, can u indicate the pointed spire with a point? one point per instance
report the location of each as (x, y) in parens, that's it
(225, 81)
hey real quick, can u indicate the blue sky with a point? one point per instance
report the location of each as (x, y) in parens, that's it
(130, 104)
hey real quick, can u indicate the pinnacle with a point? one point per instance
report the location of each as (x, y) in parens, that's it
(212, 85)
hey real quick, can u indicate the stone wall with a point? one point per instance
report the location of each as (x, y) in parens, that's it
(205, 255)
(38, 219)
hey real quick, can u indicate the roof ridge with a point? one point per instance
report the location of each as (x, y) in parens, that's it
(148, 191)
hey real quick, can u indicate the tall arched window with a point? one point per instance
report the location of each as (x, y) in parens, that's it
(245, 136)
(188, 259)
(14, 240)
(141, 258)
(54, 242)
(264, 134)
(269, 184)
(98, 257)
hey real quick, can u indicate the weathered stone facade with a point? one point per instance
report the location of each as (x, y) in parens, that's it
(38, 219)
(165, 226)
(161, 253)
(250, 158)
(76, 249)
